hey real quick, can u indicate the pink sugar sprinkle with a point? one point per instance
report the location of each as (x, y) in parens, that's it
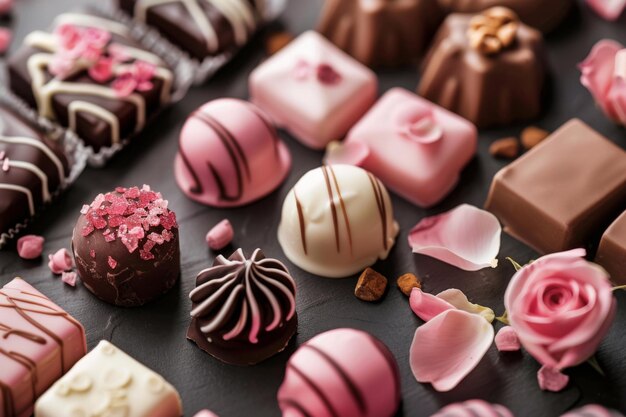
(2, 154)
(112, 262)
(146, 256)
(5, 164)
(156, 238)
(132, 192)
(147, 247)
(120, 190)
(97, 202)
(69, 278)
(85, 209)
(92, 253)
(118, 208)
(167, 235)
(145, 187)
(87, 230)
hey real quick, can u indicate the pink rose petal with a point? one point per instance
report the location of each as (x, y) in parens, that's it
(205, 413)
(507, 340)
(6, 36)
(69, 278)
(608, 9)
(592, 410)
(459, 301)
(351, 153)
(124, 85)
(448, 347)
(102, 70)
(551, 379)
(60, 261)
(597, 72)
(427, 306)
(466, 237)
(474, 408)
(220, 235)
(30, 246)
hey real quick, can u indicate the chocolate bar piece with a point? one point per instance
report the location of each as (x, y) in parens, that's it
(32, 168)
(91, 76)
(560, 193)
(39, 342)
(201, 28)
(612, 251)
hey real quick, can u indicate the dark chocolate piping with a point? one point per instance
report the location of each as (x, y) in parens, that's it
(333, 209)
(220, 185)
(391, 362)
(26, 363)
(197, 187)
(343, 206)
(297, 406)
(354, 390)
(7, 399)
(315, 388)
(301, 220)
(26, 335)
(382, 208)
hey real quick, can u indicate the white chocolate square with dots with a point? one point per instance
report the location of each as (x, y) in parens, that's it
(109, 383)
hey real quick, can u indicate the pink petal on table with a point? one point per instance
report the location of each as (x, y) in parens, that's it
(597, 72)
(448, 347)
(466, 237)
(608, 9)
(474, 408)
(459, 301)
(427, 306)
(205, 413)
(593, 410)
(347, 153)
(220, 235)
(60, 261)
(30, 246)
(507, 340)
(6, 36)
(69, 278)
(551, 379)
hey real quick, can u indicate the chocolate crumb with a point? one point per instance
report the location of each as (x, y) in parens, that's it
(505, 148)
(532, 136)
(371, 286)
(277, 41)
(407, 282)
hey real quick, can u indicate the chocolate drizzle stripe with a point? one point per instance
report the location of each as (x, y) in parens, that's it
(26, 363)
(391, 362)
(354, 390)
(333, 209)
(382, 207)
(343, 206)
(7, 400)
(301, 220)
(222, 188)
(270, 127)
(320, 393)
(296, 405)
(196, 188)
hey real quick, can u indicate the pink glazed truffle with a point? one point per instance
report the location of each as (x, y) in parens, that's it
(342, 372)
(229, 155)
(415, 147)
(313, 89)
(39, 342)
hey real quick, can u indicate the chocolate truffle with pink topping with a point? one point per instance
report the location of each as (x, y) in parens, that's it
(126, 246)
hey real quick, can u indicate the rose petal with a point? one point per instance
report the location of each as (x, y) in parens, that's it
(220, 235)
(597, 71)
(466, 237)
(592, 410)
(448, 347)
(474, 408)
(551, 379)
(30, 246)
(60, 261)
(347, 153)
(69, 278)
(205, 413)
(143, 71)
(507, 340)
(459, 300)
(102, 70)
(124, 85)
(608, 9)
(427, 306)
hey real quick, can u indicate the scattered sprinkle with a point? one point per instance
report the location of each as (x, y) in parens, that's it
(112, 262)
(30, 246)
(69, 278)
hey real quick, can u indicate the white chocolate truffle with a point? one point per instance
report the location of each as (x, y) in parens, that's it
(336, 221)
(108, 382)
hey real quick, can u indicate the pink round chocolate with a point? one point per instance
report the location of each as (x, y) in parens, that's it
(230, 154)
(342, 372)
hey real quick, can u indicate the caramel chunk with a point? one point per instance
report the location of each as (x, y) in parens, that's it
(371, 286)
(407, 282)
(532, 136)
(505, 148)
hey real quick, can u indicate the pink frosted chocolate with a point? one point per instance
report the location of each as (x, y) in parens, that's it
(230, 155)
(39, 342)
(415, 147)
(342, 372)
(313, 89)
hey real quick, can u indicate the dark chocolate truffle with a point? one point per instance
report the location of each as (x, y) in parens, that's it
(381, 32)
(201, 28)
(33, 166)
(544, 15)
(126, 246)
(489, 68)
(244, 310)
(89, 75)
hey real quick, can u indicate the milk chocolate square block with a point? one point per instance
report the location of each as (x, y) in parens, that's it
(108, 382)
(612, 251)
(39, 342)
(558, 195)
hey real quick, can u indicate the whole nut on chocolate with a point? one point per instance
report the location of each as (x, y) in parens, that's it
(407, 282)
(371, 286)
(532, 136)
(505, 148)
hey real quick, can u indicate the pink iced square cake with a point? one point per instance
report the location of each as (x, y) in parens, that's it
(313, 89)
(414, 146)
(39, 342)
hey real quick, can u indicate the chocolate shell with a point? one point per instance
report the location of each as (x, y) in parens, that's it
(244, 310)
(489, 68)
(381, 32)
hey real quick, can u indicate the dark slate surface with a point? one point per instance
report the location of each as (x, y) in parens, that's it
(155, 334)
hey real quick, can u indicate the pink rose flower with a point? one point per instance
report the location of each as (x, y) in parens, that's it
(561, 307)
